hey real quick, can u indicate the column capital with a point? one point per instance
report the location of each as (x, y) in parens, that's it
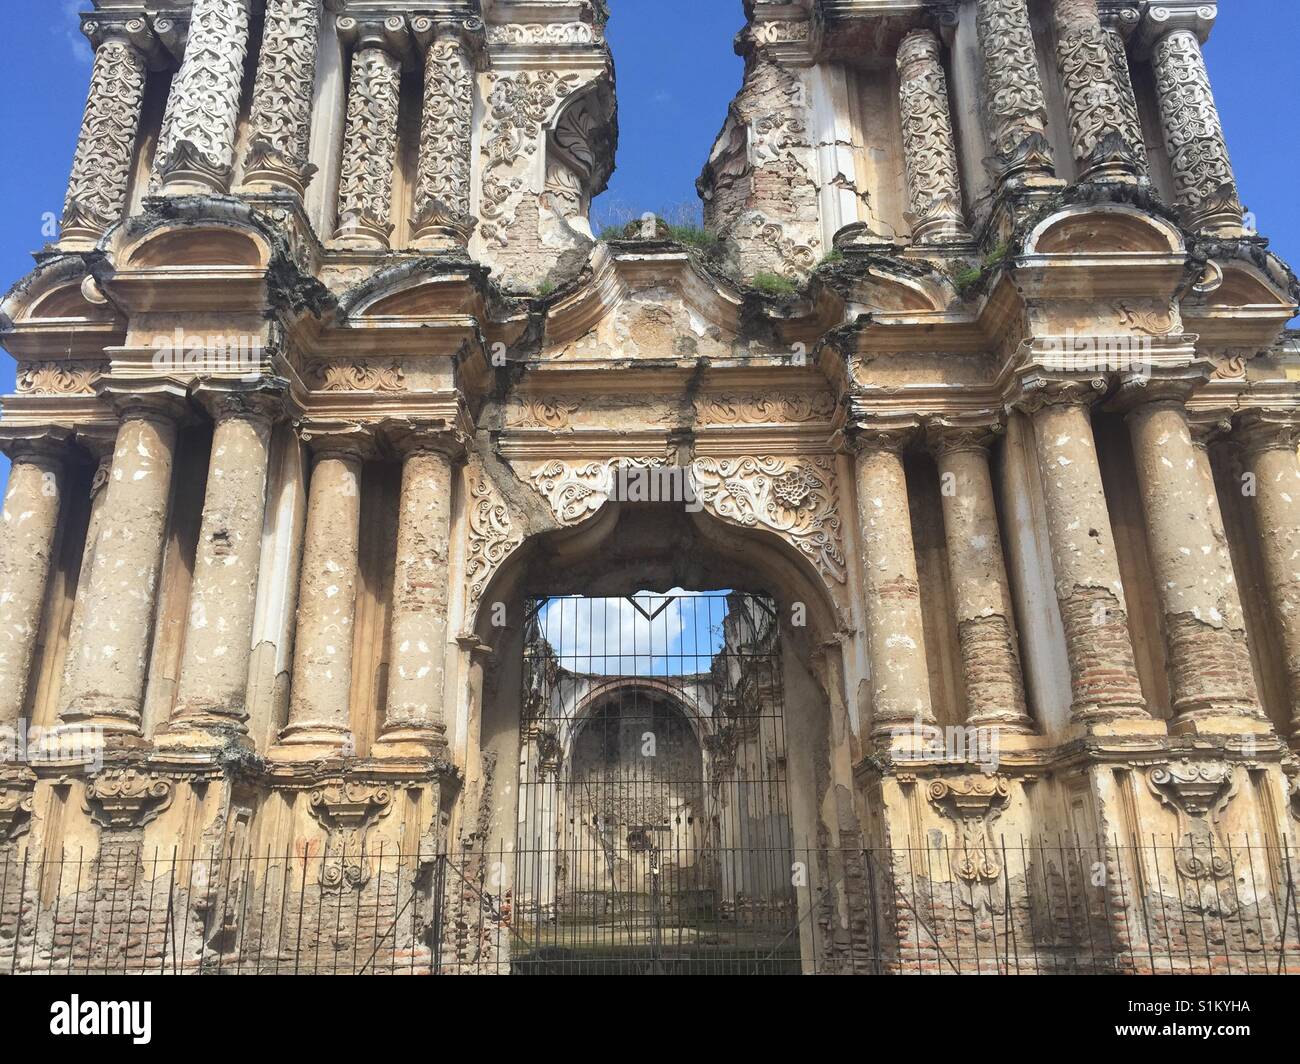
(1194, 16)
(150, 400)
(469, 32)
(944, 436)
(50, 444)
(262, 399)
(338, 439)
(411, 436)
(389, 33)
(875, 433)
(1034, 393)
(1268, 429)
(100, 27)
(1162, 385)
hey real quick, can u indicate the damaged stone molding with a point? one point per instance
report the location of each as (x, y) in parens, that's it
(347, 809)
(973, 802)
(279, 136)
(365, 194)
(125, 799)
(17, 800)
(196, 148)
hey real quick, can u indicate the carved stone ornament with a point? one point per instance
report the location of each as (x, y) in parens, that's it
(1094, 92)
(358, 376)
(929, 149)
(973, 802)
(575, 492)
(1013, 94)
(1203, 861)
(280, 120)
(442, 192)
(59, 378)
(551, 413)
(347, 810)
(492, 534)
(370, 147)
(101, 168)
(549, 34)
(796, 499)
(124, 799)
(518, 107)
(197, 143)
(1198, 155)
(763, 409)
(15, 810)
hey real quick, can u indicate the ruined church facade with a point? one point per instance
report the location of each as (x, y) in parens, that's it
(975, 402)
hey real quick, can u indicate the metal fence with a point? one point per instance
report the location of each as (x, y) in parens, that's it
(1024, 907)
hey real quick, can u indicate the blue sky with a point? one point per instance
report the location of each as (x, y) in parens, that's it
(676, 75)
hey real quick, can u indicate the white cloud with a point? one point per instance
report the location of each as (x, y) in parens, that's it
(69, 26)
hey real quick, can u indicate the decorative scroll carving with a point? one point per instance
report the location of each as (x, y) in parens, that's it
(442, 192)
(1093, 93)
(1126, 97)
(15, 810)
(358, 376)
(1198, 794)
(347, 810)
(124, 799)
(797, 260)
(549, 34)
(280, 119)
(1013, 94)
(973, 802)
(101, 168)
(370, 147)
(1198, 155)
(574, 493)
(518, 107)
(781, 31)
(59, 378)
(492, 535)
(197, 143)
(763, 409)
(554, 413)
(933, 181)
(796, 499)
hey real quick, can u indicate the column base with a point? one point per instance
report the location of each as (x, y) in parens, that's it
(86, 745)
(312, 742)
(1109, 723)
(1219, 721)
(406, 742)
(201, 738)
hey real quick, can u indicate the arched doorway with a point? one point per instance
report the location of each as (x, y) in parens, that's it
(654, 830)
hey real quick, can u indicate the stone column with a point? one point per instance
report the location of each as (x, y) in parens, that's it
(98, 493)
(1104, 128)
(210, 707)
(414, 725)
(1204, 185)
(1268, 440)
(900, 679)
(319, 722)
(112, 654)
(101, 168)
(370, 137)
(929, 149)
(196, 148)
(995, 691)
(1210, 675)
(279, 123)
(442, 216)
(1103, 668)
(28, 530)
(1015, 107)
